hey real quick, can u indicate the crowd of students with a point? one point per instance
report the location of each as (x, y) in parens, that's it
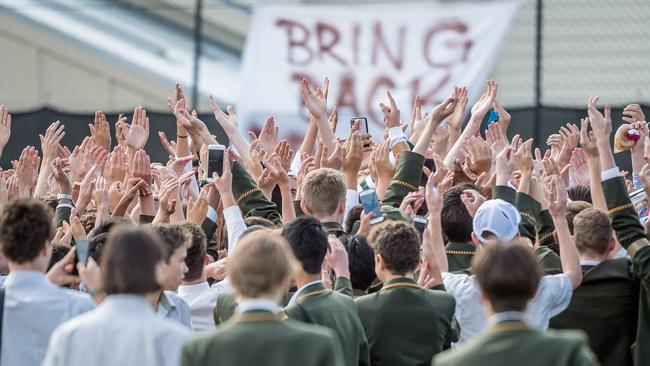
(273, 261)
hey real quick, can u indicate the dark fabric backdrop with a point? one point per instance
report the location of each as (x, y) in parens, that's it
(26, 127)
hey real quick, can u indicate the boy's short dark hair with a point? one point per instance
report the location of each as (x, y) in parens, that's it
(361, 262)
(508, 275)
(398, 244)
(354, 215)
(99, 235)
(129, 261)
(25, 227)
(580, 193)
(172, 236)
(308, 241)
(573, 208)
(58, 252)
(195, 251)
(455, 219)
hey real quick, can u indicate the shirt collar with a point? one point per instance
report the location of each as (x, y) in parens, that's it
(166, 301)
(508, 316)
(257, 304)
(131, 304)
(589, 262)
(301, 289)
(196, 288)
(25, 277)
(399, 279)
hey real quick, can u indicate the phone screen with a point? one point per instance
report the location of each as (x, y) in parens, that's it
(370, 203)
(420, 223)
(215, 161)
(82, 252)
(364, 123)
(493, 117)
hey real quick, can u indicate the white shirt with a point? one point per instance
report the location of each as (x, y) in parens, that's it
(257, 304)
(235, 225)
(552, 297)
(351, 200)
(202, 299)
(122, 331)
(33, 308)
(172, 307)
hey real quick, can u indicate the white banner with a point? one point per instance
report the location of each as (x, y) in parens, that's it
(411, 49)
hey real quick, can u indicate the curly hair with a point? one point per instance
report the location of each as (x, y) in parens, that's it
(398, 244)
(172, 237)
(25, 227)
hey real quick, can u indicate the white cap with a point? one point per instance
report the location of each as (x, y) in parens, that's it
(497, 217)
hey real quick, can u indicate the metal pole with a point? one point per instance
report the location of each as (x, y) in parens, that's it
(537, 125)
(198, 20)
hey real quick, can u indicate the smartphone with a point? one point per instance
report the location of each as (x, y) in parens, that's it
(82, 249)
(420, 223)
(215, 160)
(493, 117)
(370, 203)
(364, 122)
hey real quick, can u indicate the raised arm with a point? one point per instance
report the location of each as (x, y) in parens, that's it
(556, 195)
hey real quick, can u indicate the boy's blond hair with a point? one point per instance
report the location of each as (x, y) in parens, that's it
(322, 190)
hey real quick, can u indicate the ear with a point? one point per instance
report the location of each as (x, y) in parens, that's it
(341, 208)
(46, 250)
(612, 243)
(379, 262)
(206, 260)
(475, 239)
(304, 209)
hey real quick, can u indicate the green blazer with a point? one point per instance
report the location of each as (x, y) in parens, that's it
(227, 301)
(605, 306)
(405, 324)
(513, 343)
(260, 338)
(460, 255)
(250, 198)
(338, 312)
(632, 236)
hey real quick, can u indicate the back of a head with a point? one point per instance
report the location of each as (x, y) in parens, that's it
(455, 219)
(592, 231)
(308, 241)
(398, 244)
(508, 275)
(322, 190)
(579, 193)
(99, 235)
(259, 221)
(361, 262)
(497, 220)
(354, 215)
(130, 261)
(572, 209)
(261, 264)
(196, 250)
(25, 227)
(172, 236)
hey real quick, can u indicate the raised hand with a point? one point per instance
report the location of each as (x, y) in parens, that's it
(570, 137)
(268, 138)
(27, 171)
(483, 105)
(118, 163)
(50, 142)
(524, 158)
(391, 112)
(100, 131)
(480, 155)
(177, 165)
(60, 177)
(315, 100)
(223, 182)
(138, 133)
(504, 116)
(142, 166)
(455, 121)
(337, 257)
(227, 121)
(169, 146)
(381, 160)
(587, 139)
(601, 124)
(633, 113)
(495, 136)
(334, 160)
(197, 210)
(121, 129)
(5, 127)
(284, 153)
(556, 195)
(276, 171)
(579, 162)
(472, 200)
